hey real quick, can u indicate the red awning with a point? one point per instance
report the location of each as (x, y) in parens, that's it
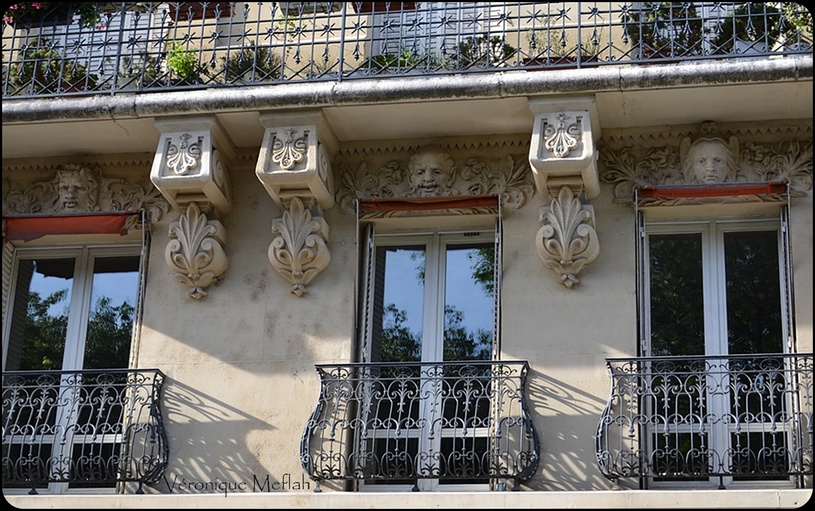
(428, 203)
(719, 190)
(27, 228)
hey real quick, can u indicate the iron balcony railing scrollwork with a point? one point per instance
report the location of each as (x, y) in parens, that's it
(88, 428)
(456, 422)
(698, 418)
(126, 47)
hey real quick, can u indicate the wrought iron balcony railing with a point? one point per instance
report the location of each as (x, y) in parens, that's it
(745, 417)
(91, 428)
(455, 422)
(122, 47)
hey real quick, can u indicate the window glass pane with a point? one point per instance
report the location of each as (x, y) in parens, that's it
(40, 314)
(468, 306)
(677, 307)
(113, 302)
(402, 303)
(753, 292)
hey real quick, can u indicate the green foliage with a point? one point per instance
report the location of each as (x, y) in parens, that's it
(750, 22)
(41, 68)
(182, 62)
(658, 26)
(44, 333)
(107, 343)
(141, 69)
(251, 65)
(407, 59)
(47, 12)
(478, 51)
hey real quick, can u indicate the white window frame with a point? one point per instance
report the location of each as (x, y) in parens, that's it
(436, 242)
(712, 231)
(76, 332)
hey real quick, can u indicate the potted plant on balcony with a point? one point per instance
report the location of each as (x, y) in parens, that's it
(754, 27)
(663, 29)
(42, 69)
(183, 65)
(251, 65)
(480, 52)
(59, 13)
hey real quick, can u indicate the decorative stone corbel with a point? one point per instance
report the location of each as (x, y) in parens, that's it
(562, 152)
(567, 240)
(295, 168)
(563, 158)
(190, 171)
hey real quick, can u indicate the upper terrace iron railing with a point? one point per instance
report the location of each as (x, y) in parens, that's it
(91, 428)
(397, 423)
(746, 417)
(121, 47)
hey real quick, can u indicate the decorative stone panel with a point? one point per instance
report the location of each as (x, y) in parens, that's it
(480, 166)
(294, 166)
(748, 154)
(81, 188)
(189, 165)
(562, 152)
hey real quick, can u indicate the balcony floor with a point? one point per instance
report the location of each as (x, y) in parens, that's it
(609, 499)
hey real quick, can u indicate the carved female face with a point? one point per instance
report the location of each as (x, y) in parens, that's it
(430, 173)
(709, 161)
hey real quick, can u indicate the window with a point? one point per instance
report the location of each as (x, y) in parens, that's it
(714, 294)
(429, 330)
(69, 309)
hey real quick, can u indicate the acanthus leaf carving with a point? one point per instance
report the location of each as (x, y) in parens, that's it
(195, 251)
(299, 251)
(567, 240)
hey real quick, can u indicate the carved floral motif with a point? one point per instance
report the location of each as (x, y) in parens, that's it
(98, 193)
(632, 167)
(561, 138)
(567, 241)
(183, 156)
(289, 151)
(195, 251)
(508, 176)
(298, 251)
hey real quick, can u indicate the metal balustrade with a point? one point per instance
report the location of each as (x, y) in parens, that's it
(87, 428)
(746, 417)
(150, 46)
(456, 422)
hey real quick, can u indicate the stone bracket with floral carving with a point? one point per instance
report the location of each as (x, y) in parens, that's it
(563, 157)
(190, 170)
(294, 166)
(562, 151)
